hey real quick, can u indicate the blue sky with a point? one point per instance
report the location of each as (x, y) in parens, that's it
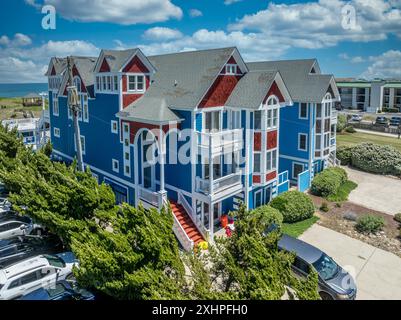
(370, 47)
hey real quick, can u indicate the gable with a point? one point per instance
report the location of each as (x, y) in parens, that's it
(136, 65)
(53, 72)
(274, 90)
(75, 72)
(234, 62)
(220, 91)
(105, 66)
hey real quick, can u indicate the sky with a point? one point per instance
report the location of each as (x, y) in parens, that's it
(356, 38)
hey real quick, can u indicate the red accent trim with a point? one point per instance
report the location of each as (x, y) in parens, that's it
(271, 140)
(231, 60)
(256, 178)
(130, 98)
(257, 141)
(276, 91)
(136, 65)
(271, 176)
(105, 66)
(220, 91)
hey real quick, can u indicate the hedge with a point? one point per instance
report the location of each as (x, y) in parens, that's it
(369, 224)
(328, 181)
(341, 122)
(344, 154)
(294, 206)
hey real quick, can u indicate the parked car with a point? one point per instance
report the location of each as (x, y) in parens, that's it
(63, 290)
(24, 247)
(381, 121)
(31, 274)
(5, 205)
(356, 118)
(395, 121)
(334, 282)
(17, 226)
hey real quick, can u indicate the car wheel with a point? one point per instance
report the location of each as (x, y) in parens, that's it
(325, 296)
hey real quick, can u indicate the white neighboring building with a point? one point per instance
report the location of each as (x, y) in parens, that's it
(371, 96)
(34, 131)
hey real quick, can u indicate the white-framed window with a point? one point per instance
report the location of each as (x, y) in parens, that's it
(56, 110)
(56, 132)
(235, 119)
(109, 87)
(114, 126)
(297, 168)
(231, 69)
(115, 165)
(319, 110)
(77, 83)
(115, 83)
(85, 109)
(302, 141)
(127, 170)
(257, 119)
(326, 140)
(303, 111)
(82, 144)
(136, 83)
(258, 198)
(271, 160)
(257, 162)
(318, 142)
(272, 118)
(104, 83)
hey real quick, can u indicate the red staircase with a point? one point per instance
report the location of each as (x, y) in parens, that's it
(186, 222)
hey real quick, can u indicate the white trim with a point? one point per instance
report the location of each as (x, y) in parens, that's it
(112, 126)
(119, 184)
(300, 108)
(299, 141)
(54, 132)
(113, 162)
(292, 171)
(261, 198)
(136, 90)
(293, 158)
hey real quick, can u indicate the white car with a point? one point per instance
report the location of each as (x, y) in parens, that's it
(5, 205)
(18, 226)
(40, 272)
(356, 118)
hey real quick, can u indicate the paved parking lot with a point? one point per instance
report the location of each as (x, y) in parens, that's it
(376, 192)
(377, 272)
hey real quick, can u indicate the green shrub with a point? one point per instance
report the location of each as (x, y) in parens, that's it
(324, 207)
(344, 154)
(343, 192)
(391, 110)
(382, 159)
(369, 224)
(350, 129)
(397, 217)
(294, 206)
(328, 181)
(267, 216)
(341, 122)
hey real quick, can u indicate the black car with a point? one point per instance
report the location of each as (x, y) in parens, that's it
(395, 121)
(381, 121)
(23, 247)
(334, 283)
(12, 215)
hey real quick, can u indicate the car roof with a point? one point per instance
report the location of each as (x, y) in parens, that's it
(303, 250)
(24, 266)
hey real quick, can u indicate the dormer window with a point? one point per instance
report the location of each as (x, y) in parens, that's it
(136, 83)
(231, 69)
(77, 84)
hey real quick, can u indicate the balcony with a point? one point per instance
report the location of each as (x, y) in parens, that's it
(222, 186)
(149, 198)
(220, 142)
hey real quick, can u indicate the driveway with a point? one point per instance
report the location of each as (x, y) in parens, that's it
(377, 272)
(376, 192)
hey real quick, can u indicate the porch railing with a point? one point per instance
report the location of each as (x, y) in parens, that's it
(182, 236)
(222, 141)
(150, 197)
(220, 184)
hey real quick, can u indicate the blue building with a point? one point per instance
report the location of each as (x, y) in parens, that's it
(201, 130)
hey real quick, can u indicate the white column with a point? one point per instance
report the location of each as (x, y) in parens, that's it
(211, 222)
(391, 100)
(161, 154)
(210, 165)
(354, 104)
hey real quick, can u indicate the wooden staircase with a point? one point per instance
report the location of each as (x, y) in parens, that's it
(186, 222)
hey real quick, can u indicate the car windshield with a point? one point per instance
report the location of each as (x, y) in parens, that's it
(55, 261)
(326, 267)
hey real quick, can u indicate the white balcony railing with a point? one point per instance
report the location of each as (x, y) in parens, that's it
(220, 142)
(182, 236)
(220, 184)
(150, 197)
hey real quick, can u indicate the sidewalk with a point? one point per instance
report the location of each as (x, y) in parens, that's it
(384, 134)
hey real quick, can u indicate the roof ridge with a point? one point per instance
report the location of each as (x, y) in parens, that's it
(191, 51)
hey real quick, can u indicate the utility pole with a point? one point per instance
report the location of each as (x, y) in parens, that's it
(75, 107)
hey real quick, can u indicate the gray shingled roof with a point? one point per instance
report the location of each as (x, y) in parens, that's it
(303, 86)
(60, 64)
(150, 109)
(117, 58)
(251, 89)
(181, 81)
(85, 67)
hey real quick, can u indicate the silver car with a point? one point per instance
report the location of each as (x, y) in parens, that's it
(334, 282)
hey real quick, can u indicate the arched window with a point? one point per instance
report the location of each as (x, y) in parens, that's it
(272, 101)
(77, 83)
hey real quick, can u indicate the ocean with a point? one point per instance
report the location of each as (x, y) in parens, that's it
(14, 90)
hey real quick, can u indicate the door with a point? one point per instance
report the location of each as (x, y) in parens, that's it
(216, 213)
(148, 163)
(23, 285)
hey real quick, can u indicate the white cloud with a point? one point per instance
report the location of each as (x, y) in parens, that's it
(229, 2)
(115, 11)
(195, 13)
(344, 56)
(19, 40)
(319, 24)
(357, 59)
(162, 33)
(386, 65)
(28, 64)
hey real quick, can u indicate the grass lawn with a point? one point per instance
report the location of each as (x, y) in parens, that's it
(343, 192)
(9, 108)
(346, 139)
(298, 228)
